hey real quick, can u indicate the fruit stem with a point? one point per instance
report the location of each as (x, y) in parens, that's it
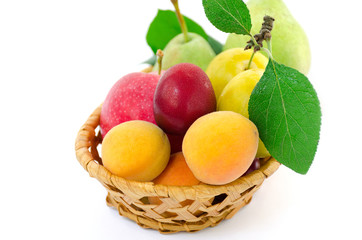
(252, 43)
(159, 55)
(250, 60)
(252, 39)
(181, 19)
(269, 45)
(268, 52)
(256, 41)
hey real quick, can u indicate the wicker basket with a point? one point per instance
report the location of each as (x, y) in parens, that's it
(186, 208)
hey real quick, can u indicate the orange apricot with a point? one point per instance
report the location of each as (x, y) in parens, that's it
(177, 173)
(136, 150)
(219, 147)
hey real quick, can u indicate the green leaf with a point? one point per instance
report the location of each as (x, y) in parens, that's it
(230, 16)
(165, 26)
(286, 110)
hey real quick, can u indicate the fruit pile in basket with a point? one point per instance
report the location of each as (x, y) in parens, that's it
(206, 114)
(147, 116)
(148, 119)
(193, 108)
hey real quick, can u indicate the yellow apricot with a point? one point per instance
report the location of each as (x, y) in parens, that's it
(219, 147)
(229, 63)
(136, 150)
(235, 97)
(236, 94)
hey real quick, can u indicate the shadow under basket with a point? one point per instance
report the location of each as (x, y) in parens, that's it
(180, 208)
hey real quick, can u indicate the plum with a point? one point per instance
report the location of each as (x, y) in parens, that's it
(183, 94)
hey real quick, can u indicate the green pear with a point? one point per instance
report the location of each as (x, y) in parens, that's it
(196, 51)
(186, 47)
(289, 42)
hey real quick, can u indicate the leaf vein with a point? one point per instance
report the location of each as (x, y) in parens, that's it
(228, 12)
(296, 95)
(284, 109)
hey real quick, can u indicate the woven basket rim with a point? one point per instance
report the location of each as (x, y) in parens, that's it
(86, 136)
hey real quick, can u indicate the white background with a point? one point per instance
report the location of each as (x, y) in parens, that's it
(58, 60)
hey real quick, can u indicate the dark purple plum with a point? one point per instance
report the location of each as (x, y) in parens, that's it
(254, 165)
(175, 142)
(183, 94)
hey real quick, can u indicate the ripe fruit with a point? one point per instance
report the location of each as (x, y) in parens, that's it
(289, 42)
(219, 147)
(175, 142)
(196, 51)
(228, 64)
(130, 98)
(177, 173)
(136, 150)
(254, 166)
(186, 47)
(183, 94)
(235, 97)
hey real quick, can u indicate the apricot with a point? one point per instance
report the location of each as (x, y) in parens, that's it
(235, 97)
(229, 63)
(177, 173)
(220, 147)
(136, 150)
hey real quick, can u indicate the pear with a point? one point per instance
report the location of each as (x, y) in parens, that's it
(196, 51)
(186, 47)
(289, 42)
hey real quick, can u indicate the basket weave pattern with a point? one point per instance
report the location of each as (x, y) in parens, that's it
(182, 208)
